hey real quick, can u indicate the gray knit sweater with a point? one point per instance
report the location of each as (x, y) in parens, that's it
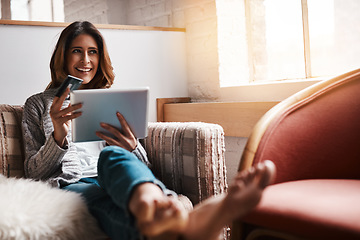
(44, 159)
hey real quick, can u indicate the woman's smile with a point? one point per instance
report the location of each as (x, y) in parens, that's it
(83, 58)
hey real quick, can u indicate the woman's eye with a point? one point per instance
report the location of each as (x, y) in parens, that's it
(76, 51)
(93, 51)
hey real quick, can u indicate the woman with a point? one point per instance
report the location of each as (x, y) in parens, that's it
(118, 187)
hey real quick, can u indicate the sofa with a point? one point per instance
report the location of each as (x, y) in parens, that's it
(188, 157)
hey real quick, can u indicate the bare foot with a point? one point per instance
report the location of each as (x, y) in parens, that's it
(162, 217)
(157, 214)
(209, 217)
(246, 189)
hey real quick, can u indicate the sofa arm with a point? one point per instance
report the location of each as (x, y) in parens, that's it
(11, 141)
(188, 158)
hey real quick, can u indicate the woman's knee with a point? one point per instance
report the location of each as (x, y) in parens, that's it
(115, 153)
(112, 156)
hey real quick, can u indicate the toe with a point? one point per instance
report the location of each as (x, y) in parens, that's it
(268, 173)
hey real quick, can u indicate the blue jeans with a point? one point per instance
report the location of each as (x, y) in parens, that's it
(107, 196)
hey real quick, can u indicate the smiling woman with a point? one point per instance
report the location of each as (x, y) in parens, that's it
(86, 55)
(83, 58)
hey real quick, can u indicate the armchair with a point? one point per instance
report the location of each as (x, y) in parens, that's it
(187, 157)
(313, 138)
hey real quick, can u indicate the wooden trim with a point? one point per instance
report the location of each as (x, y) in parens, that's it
(249, 40)
(100, 26)
(160, 105)
(33, 23)
(307, 57)
(237, 118)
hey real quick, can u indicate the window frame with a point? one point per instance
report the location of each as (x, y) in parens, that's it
(306, 41)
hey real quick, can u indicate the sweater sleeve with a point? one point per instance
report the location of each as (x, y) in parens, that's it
(141, 154)
(42, 154)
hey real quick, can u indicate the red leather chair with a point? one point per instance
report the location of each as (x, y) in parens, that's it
(313, 138)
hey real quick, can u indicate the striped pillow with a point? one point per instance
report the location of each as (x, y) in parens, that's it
(11, 141)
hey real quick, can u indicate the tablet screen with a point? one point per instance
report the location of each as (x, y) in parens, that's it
(101, 105)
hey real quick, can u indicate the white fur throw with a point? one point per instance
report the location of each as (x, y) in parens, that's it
(34, 210)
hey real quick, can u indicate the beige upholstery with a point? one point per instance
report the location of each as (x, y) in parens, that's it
(188, 158)
(11, 141)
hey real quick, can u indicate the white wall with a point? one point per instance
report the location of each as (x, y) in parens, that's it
(140, 58)
(200, 18)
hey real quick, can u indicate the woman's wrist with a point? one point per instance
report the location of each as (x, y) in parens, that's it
(60, 141)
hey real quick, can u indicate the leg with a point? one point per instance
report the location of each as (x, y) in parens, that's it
(157, 214)
(119, 171)
(132, 186)
(209, 217)
(114, 221)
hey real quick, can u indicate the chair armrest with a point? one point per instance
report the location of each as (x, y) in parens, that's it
(188, 158)
(11, 141)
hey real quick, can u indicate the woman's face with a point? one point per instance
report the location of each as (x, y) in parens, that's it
(82, 58)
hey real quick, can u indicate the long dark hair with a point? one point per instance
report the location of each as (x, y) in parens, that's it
(104, 77)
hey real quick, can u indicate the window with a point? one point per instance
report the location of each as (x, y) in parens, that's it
(334, 37)
(33, 10)
(300, 39)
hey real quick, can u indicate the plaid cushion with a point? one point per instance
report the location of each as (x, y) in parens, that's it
(11, 141)
(188, 158)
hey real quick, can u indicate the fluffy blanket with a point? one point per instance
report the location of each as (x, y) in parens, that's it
(34, 210)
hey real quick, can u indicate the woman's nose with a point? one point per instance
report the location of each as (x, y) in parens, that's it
(85, 58)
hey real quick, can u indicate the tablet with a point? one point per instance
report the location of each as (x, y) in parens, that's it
(101, 105)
